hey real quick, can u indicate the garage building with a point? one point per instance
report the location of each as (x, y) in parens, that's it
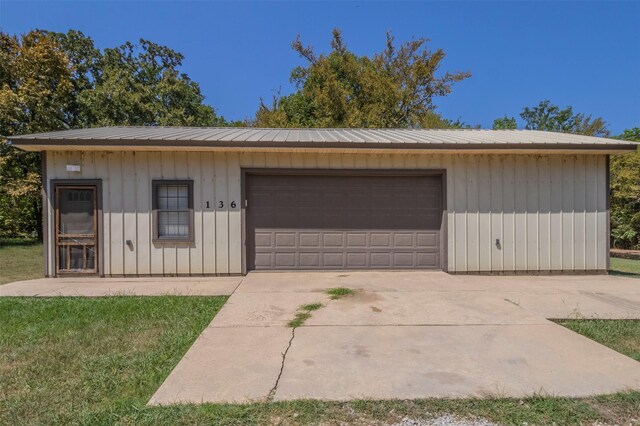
(139, 201)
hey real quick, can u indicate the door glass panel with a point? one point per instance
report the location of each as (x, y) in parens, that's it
(62, 257)
(76, 211)
(76, 233)
(77, 258)
(91, 258)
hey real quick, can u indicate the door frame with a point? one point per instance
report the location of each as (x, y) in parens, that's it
(53, 199)
(257, 171)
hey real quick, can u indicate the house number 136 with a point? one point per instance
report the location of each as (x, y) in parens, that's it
(221, 204)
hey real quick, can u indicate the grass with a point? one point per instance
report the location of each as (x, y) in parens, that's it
(625, 267)
(299, 319)
(20, 260)
(620, 335)
(311, 307)
(304, 311)
(98, 361)
(339, 292)
(91, 360)
(615, 409)
(303, 314)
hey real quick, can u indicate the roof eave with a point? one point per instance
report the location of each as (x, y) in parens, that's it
(35, 144)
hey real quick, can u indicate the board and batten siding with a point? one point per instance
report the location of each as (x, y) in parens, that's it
(505, 212)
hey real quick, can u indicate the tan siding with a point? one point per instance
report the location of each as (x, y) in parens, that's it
(496, 165)
(556, 213)
(591, 225)
(102, 172)
(531, 212)
(567, 213)
(485, 237)
(460, 214)
(601, 207)
(520, 188)
(472, 216)
(116, 224)
(509, 216)
(544, 214)
(222, 213)
(143, 213)
(208, 190)
(129, 192)
(235, 219)
(579, 206)
(549, 212)
(156, 250)
(194, 159)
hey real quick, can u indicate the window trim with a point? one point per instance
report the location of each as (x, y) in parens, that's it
(154, 205)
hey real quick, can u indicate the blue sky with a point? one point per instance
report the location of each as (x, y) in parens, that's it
(584, 54)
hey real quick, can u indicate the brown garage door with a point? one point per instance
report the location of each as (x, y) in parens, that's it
(343, 222)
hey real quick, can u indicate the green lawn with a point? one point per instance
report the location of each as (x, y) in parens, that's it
(98, 361)
(91, 360)
(625, 267)
(621, 335)
(20, 260)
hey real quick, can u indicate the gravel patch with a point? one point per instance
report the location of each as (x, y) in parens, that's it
(446, 420)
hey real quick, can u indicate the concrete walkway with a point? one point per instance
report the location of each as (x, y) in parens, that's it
(406, 335)
(96, 287)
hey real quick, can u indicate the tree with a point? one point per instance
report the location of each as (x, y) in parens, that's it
(393, 88)
(141, 85)
(36, 92)
(53, 81)
(625, 195)
(505, 123)
(546, 116)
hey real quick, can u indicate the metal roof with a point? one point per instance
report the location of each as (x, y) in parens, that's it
(247, 137)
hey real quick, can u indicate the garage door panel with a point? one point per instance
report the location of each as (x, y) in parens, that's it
(356, 239)
(380, 260)
(310, 239)
(401, 239)
(333, 260)
(342, 222)
(263, 239)
(263, 260)
(427, 260)
(310, 260)
(380, 239)
(285, 259)
(427, 240)
(285, 239)
(356, 260)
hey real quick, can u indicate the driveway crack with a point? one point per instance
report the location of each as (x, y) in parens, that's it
(272, 392)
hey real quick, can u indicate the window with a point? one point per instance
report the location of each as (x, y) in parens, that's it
(173, 210)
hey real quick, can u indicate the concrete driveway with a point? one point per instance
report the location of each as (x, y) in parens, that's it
(406, 335)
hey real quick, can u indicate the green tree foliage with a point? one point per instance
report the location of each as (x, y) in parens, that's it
(141, 85)
(36, 91)
(393, 88)
(625, 195)
(505, 123)
(546, 116)
(54, 81)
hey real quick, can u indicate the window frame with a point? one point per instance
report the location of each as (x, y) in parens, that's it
(155, 184)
